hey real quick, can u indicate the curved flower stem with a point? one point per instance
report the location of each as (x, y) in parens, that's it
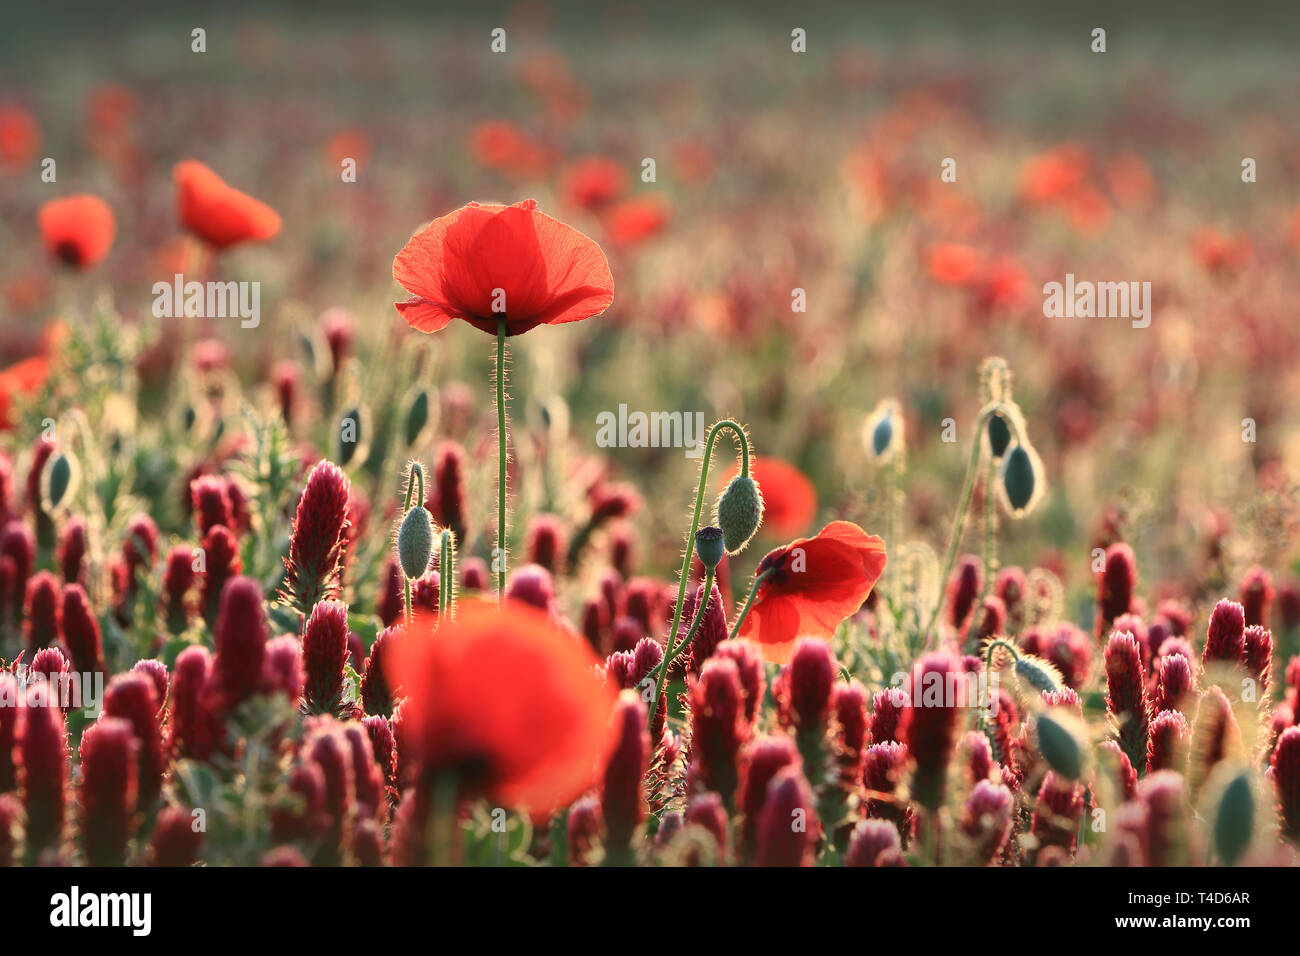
(743, 441)
(749, 603)
(446, 574)
(501, 460)
(967, 492)
(978, 613)
(414, 474)
(684, 643)
(988, 664)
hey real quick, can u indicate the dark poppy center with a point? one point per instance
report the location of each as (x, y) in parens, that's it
(69, 252)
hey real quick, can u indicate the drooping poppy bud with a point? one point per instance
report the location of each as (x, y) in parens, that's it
(739, 512)
(1020, 481)
(415, 542)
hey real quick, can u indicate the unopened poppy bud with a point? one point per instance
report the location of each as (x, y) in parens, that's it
(1037, 673)
(999, 434)
(709, 546)
(415, 542)
(1234, 818)
(417, 416)
(59, 483)
(1021, 483)
(1059, 744)
(352, 435)
(739, 512)
(884, 431)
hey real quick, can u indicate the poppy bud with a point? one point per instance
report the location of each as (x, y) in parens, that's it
(175, 841)
(787, 827)
(545, 543)
(416, 417)
(353, 436)
(986, 820)
(325, 651)
(415, 542)
(72, 549)
(108, 790)
(1234, 818)
(132, 697)
(739, 512)
(1020, 481)
(884, 431)
(42, 610)
(1059, 745)
(871, 840)
(241, 635)
(1167, 748)
(622, 800)
(1225, 636)
(709, 546)
(282, 667)
(1286, 778)
(999, 434)
(59, 483)
(718, 727)
(1126, 694)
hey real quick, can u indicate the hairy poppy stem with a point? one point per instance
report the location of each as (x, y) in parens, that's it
(743, 441)
(500, 557)
(988, 668)
(682, 644)
(749, 602)
(967, 493)
(446, 574)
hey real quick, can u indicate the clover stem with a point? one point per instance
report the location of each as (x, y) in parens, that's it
(743, 442)
(749, 602)
(501, 460)
(685, 642)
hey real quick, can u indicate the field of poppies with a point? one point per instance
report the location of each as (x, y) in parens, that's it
(558, 439)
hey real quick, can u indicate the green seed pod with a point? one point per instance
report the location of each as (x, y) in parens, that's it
(417, 416)
(1059, 745)
(415, 542)
(883, 433)
(1234, 818)
(59, 483)
(739, 512)
(1037, 673)
(999, 434)
(1021, 484)
(351, 433)
(709, 547)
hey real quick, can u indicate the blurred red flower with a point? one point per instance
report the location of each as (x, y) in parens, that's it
(635, 220)
(24, 378)
(789, 498)
(19, 135)
(507, 700)
(502, 146)
(813, 585)
(218, 213)
(952, 263)
(78, 230)
(593, 182)
(482, 263)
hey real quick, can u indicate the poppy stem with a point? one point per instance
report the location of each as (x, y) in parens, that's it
(682, 644)
(749, 602)
(980, 614)
(988, 668)
(499, 559)
(967, 492)
(414, 474)
(742, 440)
(446, 574)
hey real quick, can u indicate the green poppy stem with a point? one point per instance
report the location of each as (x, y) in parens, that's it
(499, 559)
(749, 603)
(681, 645)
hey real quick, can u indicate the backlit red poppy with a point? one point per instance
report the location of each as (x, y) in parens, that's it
(77, 230)
(21, 378)
(789, 498)
(635, 220)
(485, 262)
(507, 701)
(19, 135)
(814, 584)
(593, 182)
(218, 213)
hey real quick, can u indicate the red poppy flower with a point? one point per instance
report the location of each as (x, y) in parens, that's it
(78, 230)
(813, 585)
(952, 263)
(789, 498)
(217, 213)
(635, 220)
(19, 135)
(502, 146)
(507, 700)
(594, 182)
(23, 378)
(481, 263)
